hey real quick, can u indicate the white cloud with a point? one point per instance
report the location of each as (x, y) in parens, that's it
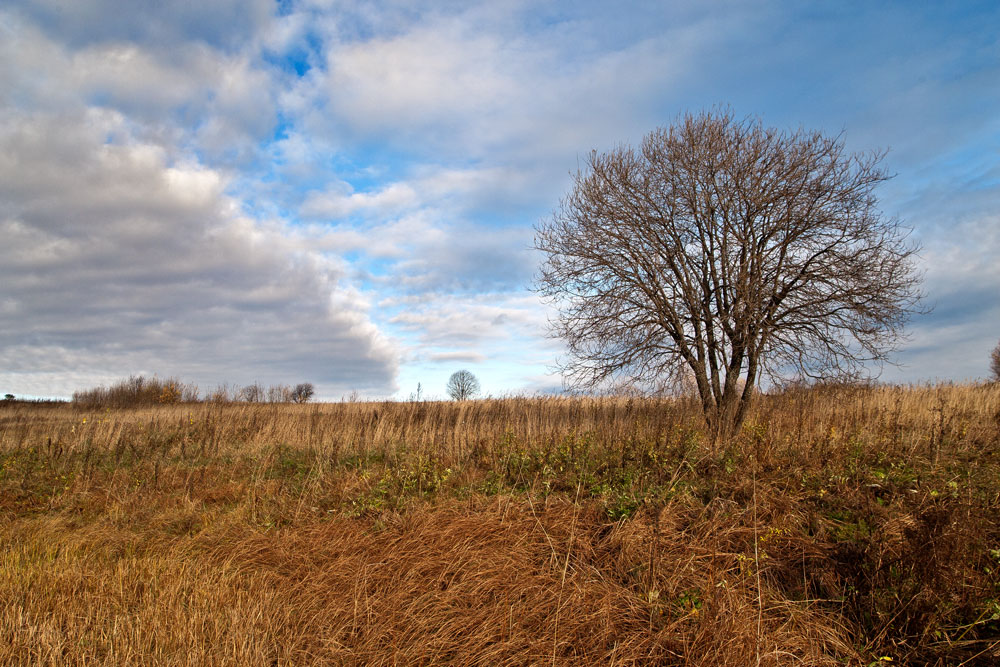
(472, 83)
(342, 202)
(190, 94)
(120, 262)
(420, 76)
(467, 321)
(962, 278)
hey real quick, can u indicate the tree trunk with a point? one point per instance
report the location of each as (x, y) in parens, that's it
(725, 417)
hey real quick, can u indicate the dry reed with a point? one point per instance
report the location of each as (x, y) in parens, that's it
(843, 525)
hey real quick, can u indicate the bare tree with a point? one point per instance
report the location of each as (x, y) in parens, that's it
(303, 392)
(252, 393)
(279, 393)
(462, 385)
(995, 363)
(731, 251)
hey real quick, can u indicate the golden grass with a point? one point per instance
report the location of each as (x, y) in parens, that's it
(842, 526)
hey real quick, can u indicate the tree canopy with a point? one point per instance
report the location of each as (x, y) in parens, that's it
(727, 252)
(462, 385)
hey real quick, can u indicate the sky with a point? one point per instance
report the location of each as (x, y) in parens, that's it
(345, 193)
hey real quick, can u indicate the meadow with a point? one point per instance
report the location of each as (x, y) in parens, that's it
(842, 526)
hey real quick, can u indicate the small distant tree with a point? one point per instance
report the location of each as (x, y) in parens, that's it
(303, 392)
(995, 363)
(462, 385)
(252, 393)
(8, 397)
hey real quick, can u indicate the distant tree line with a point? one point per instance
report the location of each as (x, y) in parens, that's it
(138, 390)
(12, 400)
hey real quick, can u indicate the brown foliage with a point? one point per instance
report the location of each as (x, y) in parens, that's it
(137, 391)
(842, 525)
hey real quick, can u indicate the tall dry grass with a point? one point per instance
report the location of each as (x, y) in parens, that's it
(842, 526)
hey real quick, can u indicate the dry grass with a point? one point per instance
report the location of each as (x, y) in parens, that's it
(842, 526)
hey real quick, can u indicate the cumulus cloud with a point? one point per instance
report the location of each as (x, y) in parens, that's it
(341, 202)
(955, 338)
(473, 81)
(116, 260)
(471, 260)
(192, 95)
(463, 321)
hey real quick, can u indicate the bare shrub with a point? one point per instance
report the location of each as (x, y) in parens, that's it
(137, 390)
(995, 363)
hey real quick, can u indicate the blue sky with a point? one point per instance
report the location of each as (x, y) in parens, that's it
(344, 193)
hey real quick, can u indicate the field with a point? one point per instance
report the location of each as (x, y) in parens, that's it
(843, 526)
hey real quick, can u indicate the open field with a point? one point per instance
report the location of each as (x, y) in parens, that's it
(842, 526)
